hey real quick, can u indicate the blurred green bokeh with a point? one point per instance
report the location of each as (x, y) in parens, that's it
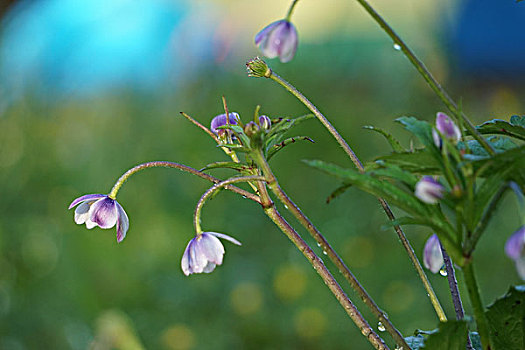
(65, 287)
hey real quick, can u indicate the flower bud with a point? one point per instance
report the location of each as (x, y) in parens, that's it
(278, 39)
(264, 122)
(447, 128)
(220, 120)
(432, 254)
(256, 67)
(515, 249)
(251, 129)
(429, 190)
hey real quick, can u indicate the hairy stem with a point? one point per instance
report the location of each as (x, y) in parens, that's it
(166, 164)
(212, 190)
(477, 304)
(321, 269)
(429, 78)
(348, 150)
(327, 248)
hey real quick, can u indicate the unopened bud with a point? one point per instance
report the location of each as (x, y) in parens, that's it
(265, 123)
(251, 129)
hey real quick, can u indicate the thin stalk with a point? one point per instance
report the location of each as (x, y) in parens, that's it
(290, 10)
(166, 164)
(212, 190)
(320, 268)
(454, 291)
(429, 78)
(327, 248)
(404, 241)
(477, 305)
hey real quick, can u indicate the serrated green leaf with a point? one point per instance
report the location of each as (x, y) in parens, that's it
(518, 120)
(394, 143)
(385, 170)
(420, 162)
(283, 125)
(452, 335)
(506, 317)
(516, 127)
(419, 128)
(225, 165)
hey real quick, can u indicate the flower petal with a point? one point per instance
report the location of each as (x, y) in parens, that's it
(82, 212)
(520, 267)
(87, 197)
(515, 244)
(185, 262)
(212, 248)
(90, 224)
(289, 44)
(104, 212)
(122, 223)
(226, 237)
(432, 254)
(266, 31)
(209, 268)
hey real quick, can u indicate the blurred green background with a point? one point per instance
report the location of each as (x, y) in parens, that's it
(65, 287)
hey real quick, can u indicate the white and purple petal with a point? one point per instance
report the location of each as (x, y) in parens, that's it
(86, 198)
(447, 127)
(515, 244)
(220, 120)
(432, 254)
(429, 190)
(104, 212)
(122, 223)
(259, 37)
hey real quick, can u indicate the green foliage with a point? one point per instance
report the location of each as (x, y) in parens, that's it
(516, 127)
(452, 335)
(225, 165)
(506, 318)
(421, 162)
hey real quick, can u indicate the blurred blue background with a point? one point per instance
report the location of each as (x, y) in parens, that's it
(89, 89)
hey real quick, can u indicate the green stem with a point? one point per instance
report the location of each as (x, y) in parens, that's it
(214, 189)
(429, 78)
(477, 304)
(320, 268)
(166, 164)
(290, 10)
(327, 248)
(404, 241)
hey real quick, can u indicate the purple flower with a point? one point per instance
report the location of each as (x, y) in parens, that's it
(515, 249)
(447, 128)
(102, 211)
(278, 39)
(265, 122)
(220, 120)
(429, 190)
(432, 254)
(204, 252)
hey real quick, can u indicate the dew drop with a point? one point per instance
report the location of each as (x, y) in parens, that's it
(285, 206)
(380, 327)
(324, 252)
(443, 272)
(319, 245)
(397, 47)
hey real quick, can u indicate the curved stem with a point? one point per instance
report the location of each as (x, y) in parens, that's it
(321, 269)
(429, 78)
(166, 164)
(290, 10)
(327, 248)
(404, 241)
(477, 304)
(212, 190)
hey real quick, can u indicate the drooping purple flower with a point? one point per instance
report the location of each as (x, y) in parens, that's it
(102, 211)
(515, 249)
(204, 252)
(278, 39)
(432, 254)
(220, 120)
(447, 128)
(429, 190)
